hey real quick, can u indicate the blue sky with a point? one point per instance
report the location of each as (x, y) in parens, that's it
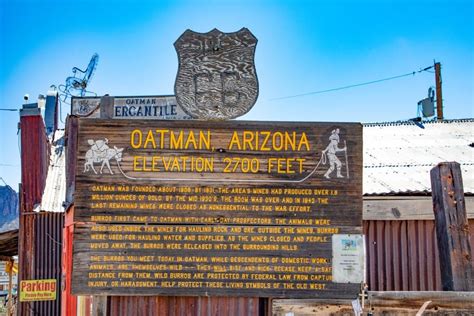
(304, 46)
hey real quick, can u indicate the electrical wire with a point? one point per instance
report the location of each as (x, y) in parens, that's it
(10, 110)
(353, 85)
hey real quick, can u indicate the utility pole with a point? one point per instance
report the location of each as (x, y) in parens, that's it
(439, 94)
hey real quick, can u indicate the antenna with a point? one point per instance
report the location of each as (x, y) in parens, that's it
(76, 85)
(426, 105)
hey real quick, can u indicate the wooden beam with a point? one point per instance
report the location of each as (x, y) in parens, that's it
(107, 107)
(6, 258)
(10, 287)
(99, 305)
(452, 227)
(306, 307)
(415, 299)
(392, 208)
(439, 93)
(382, 303)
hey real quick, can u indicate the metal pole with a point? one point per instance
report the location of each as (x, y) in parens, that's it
(439, 94)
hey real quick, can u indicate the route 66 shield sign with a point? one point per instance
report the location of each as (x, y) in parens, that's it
(216, 78)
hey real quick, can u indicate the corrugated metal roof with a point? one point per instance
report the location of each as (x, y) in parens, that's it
(55, 190)
(398, 156)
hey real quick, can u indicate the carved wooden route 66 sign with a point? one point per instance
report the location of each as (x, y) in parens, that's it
(216, 77)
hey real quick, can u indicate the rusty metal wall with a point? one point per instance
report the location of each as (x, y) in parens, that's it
(184, 306)
(46, 263)
(34, 166)
(403, 255)
(48, 252)
(40, 238)
(68, 301)
(34, 161)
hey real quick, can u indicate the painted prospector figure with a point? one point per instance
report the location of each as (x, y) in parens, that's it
(330, 151)
(100, 152)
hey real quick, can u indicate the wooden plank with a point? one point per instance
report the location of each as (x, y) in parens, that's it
(99, 305)
(396, 256)
(412, 254)
(420, 232)
(405, 258)
(388, 242)
(452, 228)
(372, 277)
(381, 303)
(381, 277)
(309, 307)
(414, 299)
(400, 208)
(71, 149)
(107, 107)
(257, 221)
(430, 249)
(8, 244)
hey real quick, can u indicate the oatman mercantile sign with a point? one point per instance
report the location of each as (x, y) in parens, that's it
(218, 208)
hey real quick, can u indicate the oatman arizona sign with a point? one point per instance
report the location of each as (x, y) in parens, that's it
(217, 208)
(174, 207)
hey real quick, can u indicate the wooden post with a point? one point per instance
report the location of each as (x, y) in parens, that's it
(99, 305)
(452, 228)
(107, 107)
(10, 287)
(439, 94)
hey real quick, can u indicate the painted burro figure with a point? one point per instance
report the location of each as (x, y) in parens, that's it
(216, 78)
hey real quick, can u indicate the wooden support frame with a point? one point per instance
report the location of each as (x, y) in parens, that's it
(452, 227)
(402, 208)
(392, 303)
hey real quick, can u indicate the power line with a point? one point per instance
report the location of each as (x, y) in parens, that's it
(353, 85)
(11, 110)
(8, 165)
(3, 181)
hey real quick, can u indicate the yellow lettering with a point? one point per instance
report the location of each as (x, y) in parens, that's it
(267, 135)
(290, 141)
(162, 132)
(136, 138)
(278, 141)
(136, 163)
(204, 140)
(235, 141)
(149, 139)
(191, 140)
(176, 142)
(303, 141)
(247, 138)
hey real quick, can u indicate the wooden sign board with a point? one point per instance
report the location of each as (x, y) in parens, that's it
(131, 107)
(214, 208)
